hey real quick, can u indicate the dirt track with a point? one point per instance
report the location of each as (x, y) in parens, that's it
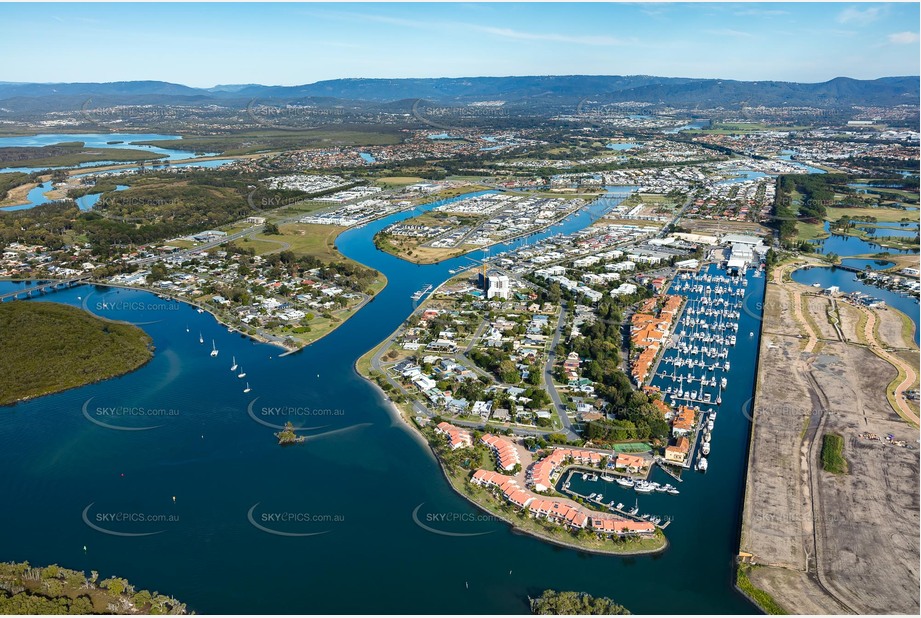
(834, 543)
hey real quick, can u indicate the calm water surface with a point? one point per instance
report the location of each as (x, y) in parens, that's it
(357, 488)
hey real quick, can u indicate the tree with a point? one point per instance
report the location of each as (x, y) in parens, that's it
(574, 603)
(271, 229)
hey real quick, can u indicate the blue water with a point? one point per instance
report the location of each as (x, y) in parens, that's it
(741, 175)
(697, 124)
(442, 136)
(621, 146)
(845, 245)
(788, 156)
(36, 196)
(882, 231)
(848, 282)
(99, 140)
(863, 263)
(367, 157)
(219, 464)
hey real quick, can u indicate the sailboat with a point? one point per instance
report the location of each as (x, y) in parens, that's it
(213, 349)
(242, 373)
(200, 338)
(186, 328)
(234, 366)
(247, 389)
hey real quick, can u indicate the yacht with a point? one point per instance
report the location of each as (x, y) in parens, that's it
(234, 366)
(242, 373)
(213, 349)
(247, 389)
(702, 464)
(624, 482)
(200, 338)
(642, 487)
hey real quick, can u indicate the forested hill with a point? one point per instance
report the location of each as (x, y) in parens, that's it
(841, 91)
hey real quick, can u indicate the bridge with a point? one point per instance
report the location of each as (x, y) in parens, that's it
(44, 287)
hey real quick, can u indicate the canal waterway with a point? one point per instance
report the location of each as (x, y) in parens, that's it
(366, 491)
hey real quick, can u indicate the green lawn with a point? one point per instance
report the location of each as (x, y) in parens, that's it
(832, 454)
(764, 600)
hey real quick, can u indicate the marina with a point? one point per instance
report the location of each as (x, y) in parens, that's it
(213, 442)
(695, 369)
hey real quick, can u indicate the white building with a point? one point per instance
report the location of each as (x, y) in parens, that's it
(497, 286)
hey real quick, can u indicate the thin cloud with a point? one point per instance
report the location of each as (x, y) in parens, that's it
(508, 33)
(904, 38)
(854, 15)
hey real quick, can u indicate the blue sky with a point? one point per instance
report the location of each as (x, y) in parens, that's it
(208, 44)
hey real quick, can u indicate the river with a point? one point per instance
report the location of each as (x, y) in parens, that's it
(36, 196)
(96, 140)
(355, 491)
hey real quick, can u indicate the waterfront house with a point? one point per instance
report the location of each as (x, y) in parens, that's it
(683, 424)
(678, 453)
(505, 451)
(457, 437)
(630, 463)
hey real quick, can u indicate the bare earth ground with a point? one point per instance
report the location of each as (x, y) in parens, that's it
(829, 543)
(706, 226)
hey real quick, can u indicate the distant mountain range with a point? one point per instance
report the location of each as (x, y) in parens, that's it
(546, 90)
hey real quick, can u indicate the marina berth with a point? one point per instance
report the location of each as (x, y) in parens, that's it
(560, 511)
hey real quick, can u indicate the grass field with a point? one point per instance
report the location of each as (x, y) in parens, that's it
(832, 454)
(881, 214)
(309, 239)
(397, 181)
(810, 231)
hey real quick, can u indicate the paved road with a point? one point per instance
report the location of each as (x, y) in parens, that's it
(677, 218)
(549, 386)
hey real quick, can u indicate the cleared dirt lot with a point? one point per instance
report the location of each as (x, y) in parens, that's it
(829, 543)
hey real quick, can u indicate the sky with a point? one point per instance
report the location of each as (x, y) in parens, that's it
(287, 44)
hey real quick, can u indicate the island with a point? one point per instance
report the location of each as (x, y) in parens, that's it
(568, 603)
(51, 347)
(287, 436)
(25, 589)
